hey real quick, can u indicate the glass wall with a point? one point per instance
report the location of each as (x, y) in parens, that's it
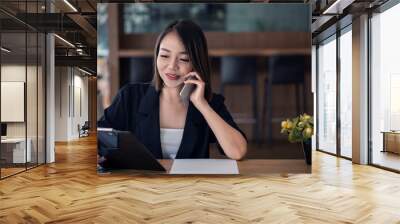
(41, 96)
(22, 91)
(345, 58)
(326, 94)
(102, 61)
(31, 100)
(334, 63)
(385, 88)
(231, 17)
(13, 87)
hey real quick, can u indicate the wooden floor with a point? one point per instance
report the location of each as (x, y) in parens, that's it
(70, 191)
(387, 159)
(10, 171)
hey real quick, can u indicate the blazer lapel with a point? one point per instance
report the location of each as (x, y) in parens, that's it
(148, 121)
(190, 133)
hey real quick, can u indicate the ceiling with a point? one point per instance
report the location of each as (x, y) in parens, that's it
(76, 25)
(330, 15)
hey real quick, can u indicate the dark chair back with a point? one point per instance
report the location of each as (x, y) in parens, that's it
(136, 70)
(283, 70)
(286, 69)
(238, 70)
(242, 70)
(86, 126)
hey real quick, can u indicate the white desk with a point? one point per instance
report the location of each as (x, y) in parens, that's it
(18, 149)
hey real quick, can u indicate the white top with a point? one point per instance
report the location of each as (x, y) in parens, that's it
(170, 141)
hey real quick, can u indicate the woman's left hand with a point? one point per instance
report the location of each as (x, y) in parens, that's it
(197, 96)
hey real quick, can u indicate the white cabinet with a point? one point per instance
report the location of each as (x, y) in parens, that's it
(17, 145)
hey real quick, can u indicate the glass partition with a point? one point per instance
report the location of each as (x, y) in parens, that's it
(327, 95)
(41, 96)
(385, 89)
(346, 92)
(22, 90)
(14, 153)
(229, 17)
(102, 61)
(31, 98)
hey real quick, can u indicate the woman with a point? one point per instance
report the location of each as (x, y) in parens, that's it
(157, 115)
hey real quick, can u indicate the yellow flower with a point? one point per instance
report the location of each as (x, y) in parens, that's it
(289, 125)
(306, 117)
(307, 133)
(284, 124)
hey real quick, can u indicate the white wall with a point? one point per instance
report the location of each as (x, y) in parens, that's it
(81, 100)
(61, 103)
(12, 73)
(70, 83)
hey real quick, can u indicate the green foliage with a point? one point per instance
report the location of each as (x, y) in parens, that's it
(299, 129)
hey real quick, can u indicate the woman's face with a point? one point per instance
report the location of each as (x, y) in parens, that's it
(172, 60)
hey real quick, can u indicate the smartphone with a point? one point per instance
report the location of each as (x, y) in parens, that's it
(187, 90)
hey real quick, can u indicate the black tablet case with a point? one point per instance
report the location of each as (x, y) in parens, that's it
(123, 150)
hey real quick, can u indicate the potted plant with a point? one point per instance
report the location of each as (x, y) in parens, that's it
(300, 129)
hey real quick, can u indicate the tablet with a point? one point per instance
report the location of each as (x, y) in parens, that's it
(122, 150)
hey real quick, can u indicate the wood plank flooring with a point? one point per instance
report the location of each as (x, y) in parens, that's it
(70, 191)
(387, 159)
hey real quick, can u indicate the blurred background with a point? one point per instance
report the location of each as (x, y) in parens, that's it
(260, 56)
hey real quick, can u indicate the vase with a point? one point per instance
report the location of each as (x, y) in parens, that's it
(306, 145)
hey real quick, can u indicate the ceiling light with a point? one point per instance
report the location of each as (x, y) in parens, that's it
(84, 71)
(65, 41)
(5, 49)
(338, 6)
(70, 5)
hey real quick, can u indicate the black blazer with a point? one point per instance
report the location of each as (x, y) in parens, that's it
(136, 108)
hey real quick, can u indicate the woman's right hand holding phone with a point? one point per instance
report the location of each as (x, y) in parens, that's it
(197, 95)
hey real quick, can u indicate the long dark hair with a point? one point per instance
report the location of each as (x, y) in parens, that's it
(195, 44)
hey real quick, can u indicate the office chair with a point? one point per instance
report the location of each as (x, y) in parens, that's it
(84, 130)
(242, 70)
(136, 70)
(283, 70)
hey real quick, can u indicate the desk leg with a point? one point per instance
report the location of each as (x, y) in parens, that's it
(384, 142)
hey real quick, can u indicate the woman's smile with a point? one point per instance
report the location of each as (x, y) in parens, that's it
(172, 76)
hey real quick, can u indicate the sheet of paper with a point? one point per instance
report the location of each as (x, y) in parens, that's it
(204, 166)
